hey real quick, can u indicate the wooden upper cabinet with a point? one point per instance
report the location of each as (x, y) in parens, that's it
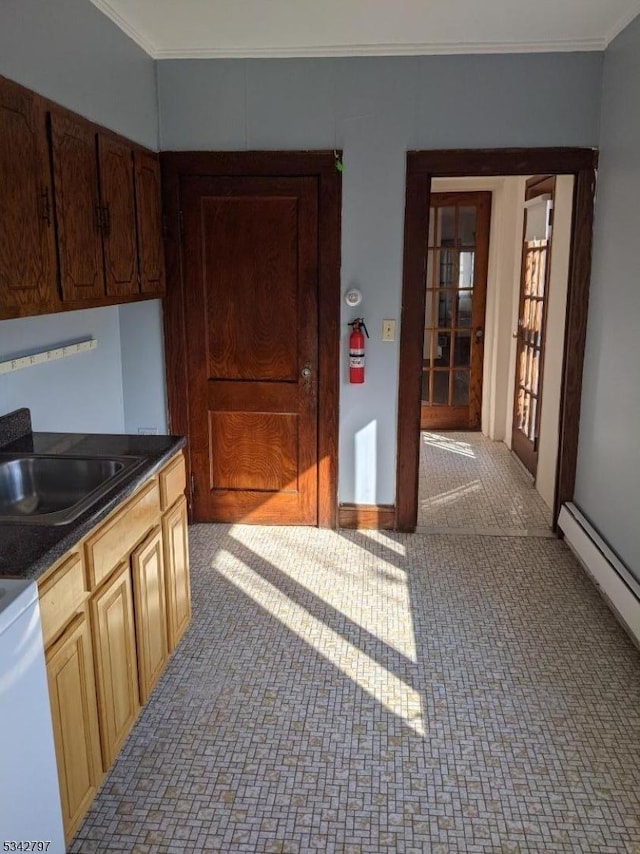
(149, 212)
(27, 239)
(78, 213)
(118, 209)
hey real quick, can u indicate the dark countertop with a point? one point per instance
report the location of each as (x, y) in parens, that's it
(26, 551)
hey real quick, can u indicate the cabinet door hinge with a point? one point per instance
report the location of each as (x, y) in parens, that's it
(181, 224)
(193, 484)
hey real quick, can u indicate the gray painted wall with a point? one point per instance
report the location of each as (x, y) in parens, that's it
(143, 384)
(608, 482)
(376, 109)
(81, 393)
(71, 53)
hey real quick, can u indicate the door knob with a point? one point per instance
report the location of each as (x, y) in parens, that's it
(306, 373)
(479, 334)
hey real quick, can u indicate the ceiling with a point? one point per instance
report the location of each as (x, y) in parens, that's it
(255, 28)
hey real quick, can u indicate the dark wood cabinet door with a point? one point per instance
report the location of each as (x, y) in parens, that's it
(251, 278)
(75, 177)
(118, 202)
(28, 269)
(149, 213)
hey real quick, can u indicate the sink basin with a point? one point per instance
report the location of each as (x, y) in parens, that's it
(38, 489)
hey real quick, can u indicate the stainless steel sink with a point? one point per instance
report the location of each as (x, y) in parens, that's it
(38, 489)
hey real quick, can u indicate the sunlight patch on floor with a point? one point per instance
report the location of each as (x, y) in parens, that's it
(451, 496)
(380, 683)
(446, 443)
(388, 608)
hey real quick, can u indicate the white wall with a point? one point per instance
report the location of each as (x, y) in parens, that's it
(81, 393)
(608, 476)
(376, 109)
(142, 349)
(70, 52)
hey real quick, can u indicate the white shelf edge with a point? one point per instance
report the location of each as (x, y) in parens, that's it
(10, 365)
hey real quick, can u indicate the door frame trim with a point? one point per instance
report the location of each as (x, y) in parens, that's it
(422, 166)
(319, 164)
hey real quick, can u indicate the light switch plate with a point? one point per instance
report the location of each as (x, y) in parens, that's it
(388, 330)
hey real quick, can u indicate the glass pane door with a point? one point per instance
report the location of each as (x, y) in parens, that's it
(452, 279)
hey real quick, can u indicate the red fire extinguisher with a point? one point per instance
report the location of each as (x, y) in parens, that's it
(356, 350)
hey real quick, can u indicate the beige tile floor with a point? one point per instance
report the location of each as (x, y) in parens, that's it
(470, 483)
(371, 692)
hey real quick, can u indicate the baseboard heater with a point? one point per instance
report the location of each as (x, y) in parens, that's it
(609, 573)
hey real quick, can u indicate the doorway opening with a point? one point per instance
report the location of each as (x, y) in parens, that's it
(535, 298)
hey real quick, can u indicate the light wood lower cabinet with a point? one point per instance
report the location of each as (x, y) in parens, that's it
(147, 565)
(114, 642)
(74, 713)
(112, 609)
(176, 550)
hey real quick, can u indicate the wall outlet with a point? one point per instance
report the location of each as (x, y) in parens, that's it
(147, 431)
(388, 330)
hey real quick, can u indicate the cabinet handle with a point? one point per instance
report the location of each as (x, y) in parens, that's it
(99, 219)
(45, 205)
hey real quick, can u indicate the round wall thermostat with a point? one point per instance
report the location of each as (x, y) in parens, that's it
(353, 297)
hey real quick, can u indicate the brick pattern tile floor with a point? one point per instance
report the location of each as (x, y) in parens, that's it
(370, 692)
(469, 483)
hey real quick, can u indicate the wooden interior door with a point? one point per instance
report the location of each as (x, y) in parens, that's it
(28, 269)
(456, 293)
(532, 313)
(250, 259)
(75, 178)
(118, 204)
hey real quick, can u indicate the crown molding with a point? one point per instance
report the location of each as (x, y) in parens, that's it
(624, 22)
(135, 35)
(390, 49)
(418, 49)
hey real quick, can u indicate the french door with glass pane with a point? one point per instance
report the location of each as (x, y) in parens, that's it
(457, 261)
(532, 314)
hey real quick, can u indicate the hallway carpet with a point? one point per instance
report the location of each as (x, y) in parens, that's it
(350, 691)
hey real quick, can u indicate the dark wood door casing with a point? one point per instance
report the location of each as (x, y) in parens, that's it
(422, 166)
(28, 265)
(176, 166)
(118, 208)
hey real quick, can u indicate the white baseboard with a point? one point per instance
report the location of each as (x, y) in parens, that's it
(610, 575)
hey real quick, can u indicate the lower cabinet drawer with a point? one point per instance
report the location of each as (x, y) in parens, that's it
(62, 594)
(117, 537)
(173, 481)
